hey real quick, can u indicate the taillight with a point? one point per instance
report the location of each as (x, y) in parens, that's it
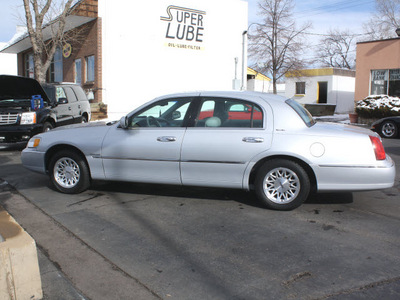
(378, 148)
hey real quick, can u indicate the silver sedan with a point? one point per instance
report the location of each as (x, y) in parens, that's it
(243, 140)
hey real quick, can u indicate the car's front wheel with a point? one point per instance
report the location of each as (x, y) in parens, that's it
(69, 172)
(389, 129)
(47, 126)
(282, 184)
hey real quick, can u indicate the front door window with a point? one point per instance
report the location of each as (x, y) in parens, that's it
(165, 113)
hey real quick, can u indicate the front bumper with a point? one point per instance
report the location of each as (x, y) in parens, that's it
(18, 133)
(33, 160)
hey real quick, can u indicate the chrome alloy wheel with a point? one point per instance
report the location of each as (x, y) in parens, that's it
(388, 129)
(66, 172)
(281, 185)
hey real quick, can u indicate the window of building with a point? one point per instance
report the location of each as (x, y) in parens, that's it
(394, 82)
(29, 65)
(55, 73)
(379, 82)
(89, 68)
(300, 88)
(385, 82)
(78, 71)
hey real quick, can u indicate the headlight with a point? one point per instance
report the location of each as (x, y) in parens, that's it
(28, 118)
(33, 142)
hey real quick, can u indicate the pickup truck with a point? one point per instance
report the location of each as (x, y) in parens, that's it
(28, 108)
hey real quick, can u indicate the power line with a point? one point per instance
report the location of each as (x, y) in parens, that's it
(317, 34)
(341, 5)
(344, 35)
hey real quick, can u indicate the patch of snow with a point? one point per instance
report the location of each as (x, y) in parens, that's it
(379, 101)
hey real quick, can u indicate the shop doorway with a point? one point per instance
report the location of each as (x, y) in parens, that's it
(322, 92)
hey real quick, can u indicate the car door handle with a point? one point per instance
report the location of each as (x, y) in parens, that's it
(253, 140)
(69, 108)
(166, 139)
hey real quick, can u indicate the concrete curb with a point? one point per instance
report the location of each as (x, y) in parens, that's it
(19, 267)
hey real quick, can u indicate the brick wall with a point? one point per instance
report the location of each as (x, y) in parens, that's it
(85, 42)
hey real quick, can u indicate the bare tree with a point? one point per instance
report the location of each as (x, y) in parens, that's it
(337, 50)
(384, 21)
(277, 43)
(36, 12)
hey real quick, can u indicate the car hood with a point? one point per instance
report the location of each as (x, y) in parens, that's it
(83, 125)
(15, 87)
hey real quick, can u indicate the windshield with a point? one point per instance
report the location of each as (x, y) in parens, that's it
(302, 112)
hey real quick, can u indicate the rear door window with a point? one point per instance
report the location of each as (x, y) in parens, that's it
(221, 112)
(70, 94)
(80, 94)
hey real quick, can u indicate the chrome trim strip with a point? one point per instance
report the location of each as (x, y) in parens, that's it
(142, 159)
(215, 162)
(173, 160)
(361, 167)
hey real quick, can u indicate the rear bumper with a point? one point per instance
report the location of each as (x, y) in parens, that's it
(18, 133)
(356, 178)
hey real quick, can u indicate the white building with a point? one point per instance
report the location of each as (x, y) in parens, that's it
(323, 86)
(8, 62)
(150, 48)
(257, 81)
(134, 51)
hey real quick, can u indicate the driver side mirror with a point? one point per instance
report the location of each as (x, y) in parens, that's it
(123, 123)
(176, 115)
(62, 100)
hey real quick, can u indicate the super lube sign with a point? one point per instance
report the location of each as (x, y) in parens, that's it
(184, 27)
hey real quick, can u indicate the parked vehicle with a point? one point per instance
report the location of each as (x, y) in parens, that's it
(282, 156)
(387, 127)
(27, 108)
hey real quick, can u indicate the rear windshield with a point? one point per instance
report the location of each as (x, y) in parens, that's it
(302, 112)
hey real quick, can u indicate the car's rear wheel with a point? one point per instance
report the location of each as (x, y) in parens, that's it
(69, 172)
(389, 129)
(282, 184)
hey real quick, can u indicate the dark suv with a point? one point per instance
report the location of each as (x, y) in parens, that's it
(27, 108)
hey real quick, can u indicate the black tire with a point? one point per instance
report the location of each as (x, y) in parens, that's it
(47, 126)
(84, 119)
(282, 184)
(69, 172)
(389, 129)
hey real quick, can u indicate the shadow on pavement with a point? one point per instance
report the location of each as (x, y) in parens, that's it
(330, 198)
(219, 194)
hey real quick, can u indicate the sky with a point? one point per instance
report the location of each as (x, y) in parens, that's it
(324, 15)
